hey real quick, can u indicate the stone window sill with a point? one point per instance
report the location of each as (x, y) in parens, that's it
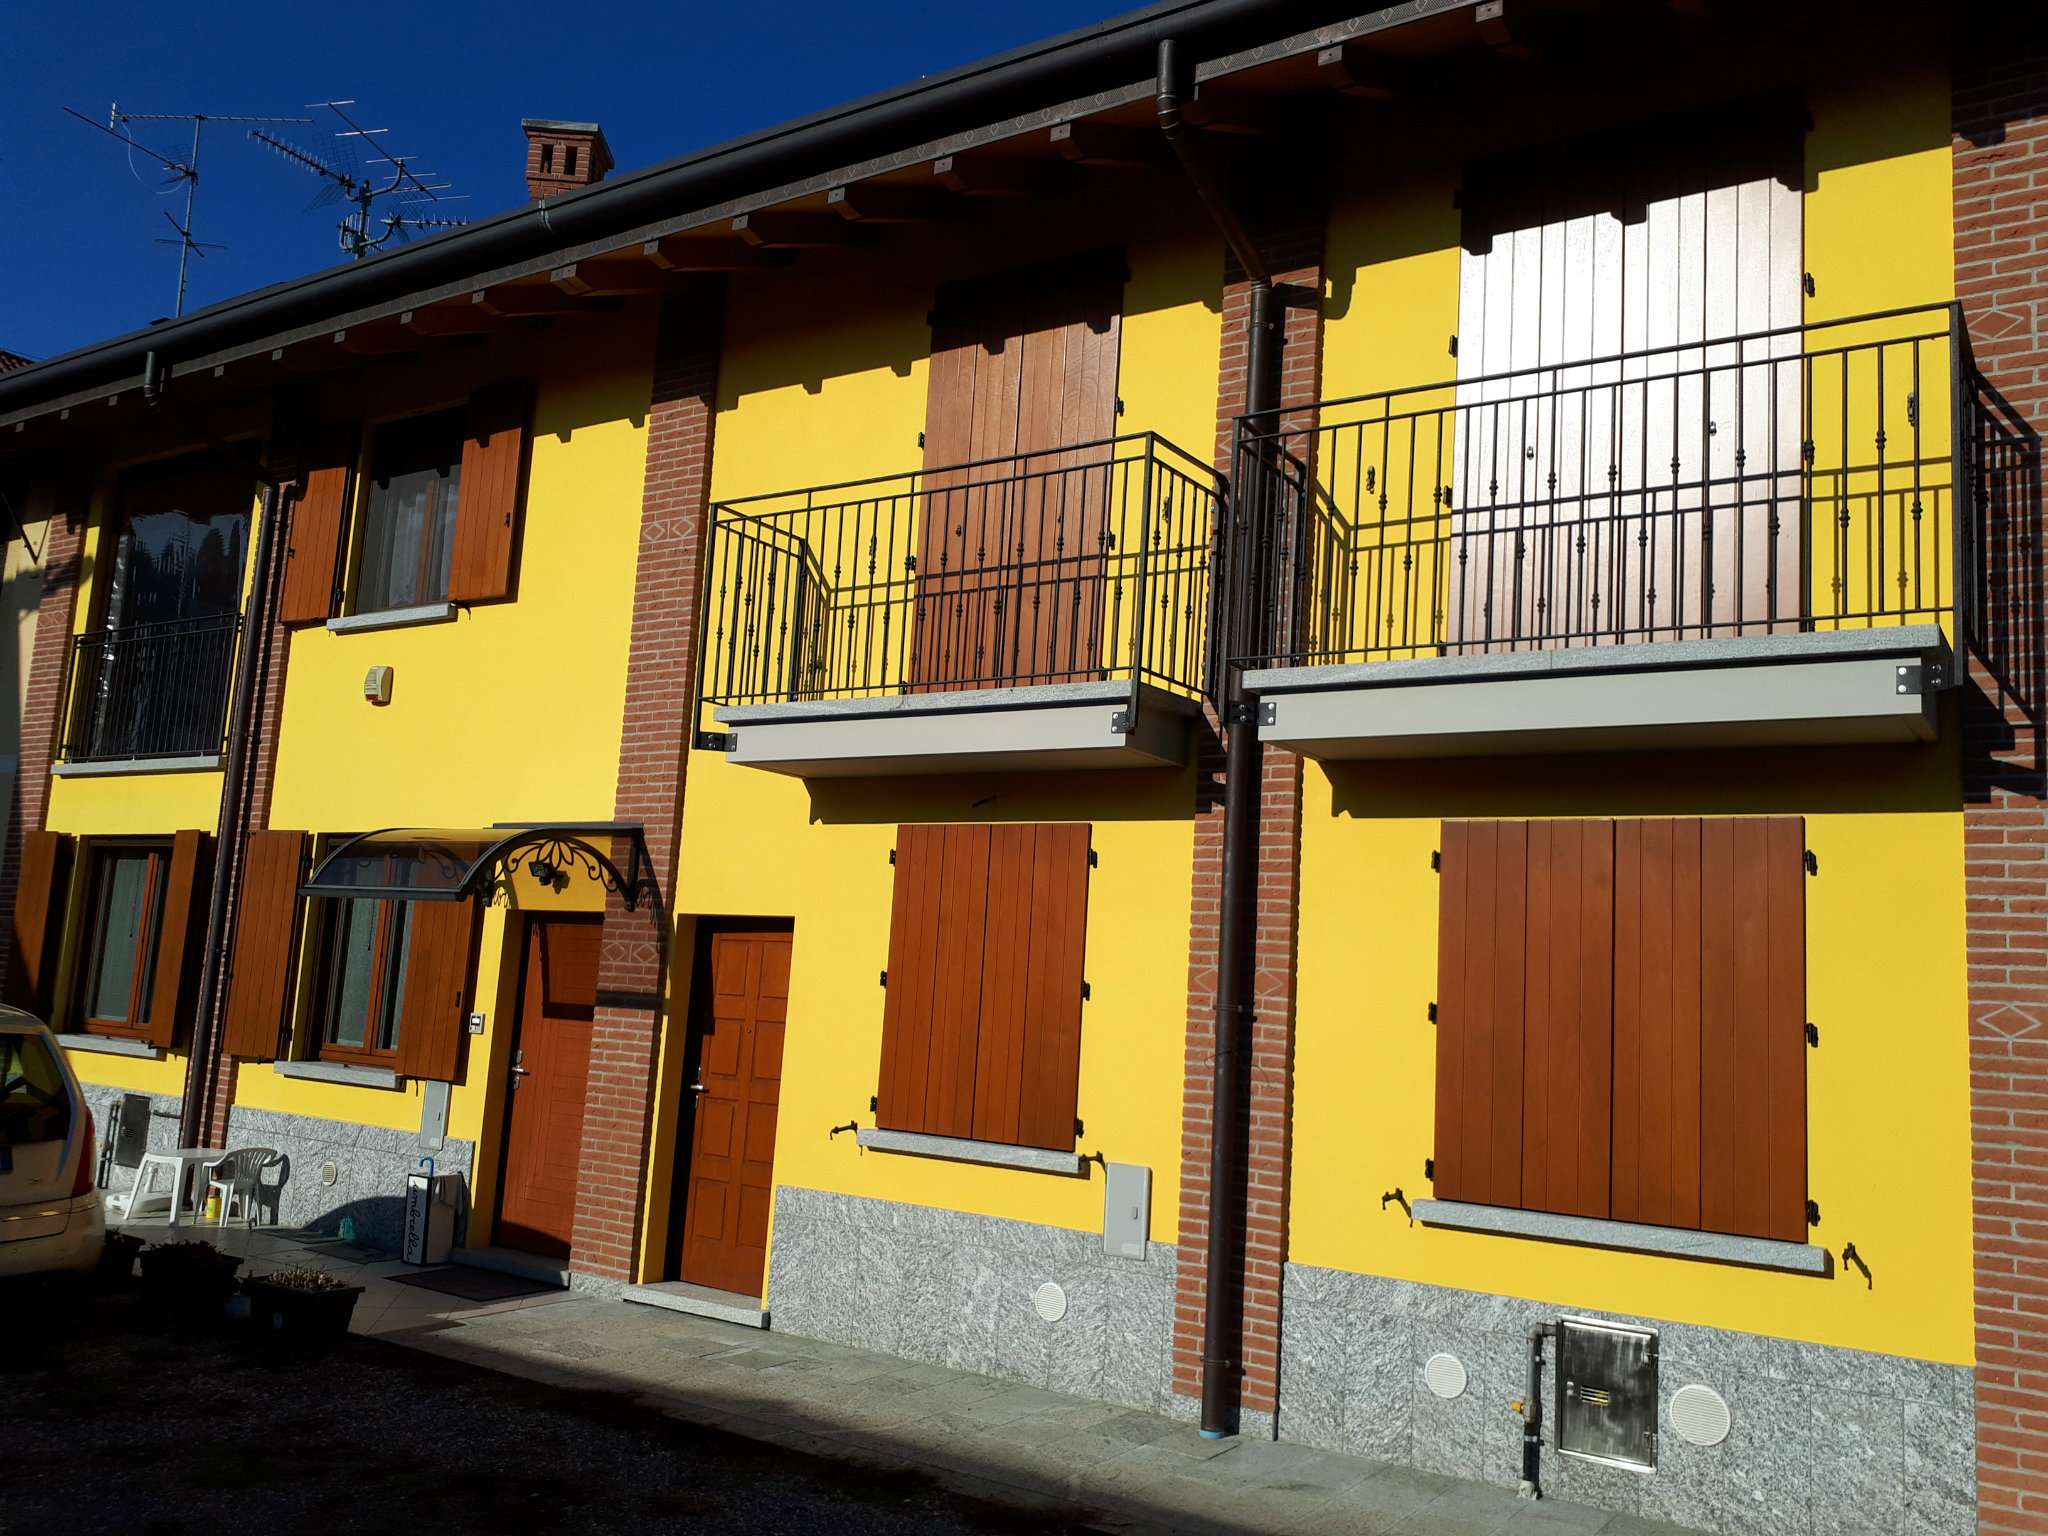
(338, 1072)
(994, 1153)
(112, 1045)
(392, 618)
(1678, 1242)
(203, 762)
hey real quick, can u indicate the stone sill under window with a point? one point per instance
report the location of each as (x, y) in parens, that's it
(338, 1072)
(202, 762)
(392, 618)
(996, 1154)
(112, 1045)
(1677, 1242)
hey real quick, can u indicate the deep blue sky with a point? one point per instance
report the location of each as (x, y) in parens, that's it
(450, 80)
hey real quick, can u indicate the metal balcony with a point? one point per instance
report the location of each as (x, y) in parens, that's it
(1769, 538)
(1047, 610)
(150, 692)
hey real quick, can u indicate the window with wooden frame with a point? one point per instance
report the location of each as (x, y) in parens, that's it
(981, 1027)
(1621, 1020)
(408, 520)
(126, 889)
(357, 1007)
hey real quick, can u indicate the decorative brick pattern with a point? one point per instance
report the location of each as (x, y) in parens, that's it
(653, 753)
(1296, 257)
(43, 708)
(2001, 214)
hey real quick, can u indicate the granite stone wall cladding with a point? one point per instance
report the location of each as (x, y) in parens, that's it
(370, 1166)
(945, 1288)
(1824, 1440)
(163, 1126)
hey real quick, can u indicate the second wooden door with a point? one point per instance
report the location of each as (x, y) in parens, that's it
(550, 1078)
(738, 1085)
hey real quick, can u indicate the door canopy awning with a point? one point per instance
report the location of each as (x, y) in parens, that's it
(455, 863)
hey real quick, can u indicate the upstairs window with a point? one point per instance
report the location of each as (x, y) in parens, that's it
(408, 545)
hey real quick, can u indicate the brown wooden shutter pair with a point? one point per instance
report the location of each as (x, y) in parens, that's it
(1621, 1020)
(40, 894)
(182, 936)
(431, 1013)
(981, 1028)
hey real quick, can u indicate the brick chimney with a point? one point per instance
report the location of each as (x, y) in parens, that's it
(560, 157)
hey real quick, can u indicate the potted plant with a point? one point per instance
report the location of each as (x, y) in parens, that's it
(301, 1305)
(116, 1269)
(187, 1282)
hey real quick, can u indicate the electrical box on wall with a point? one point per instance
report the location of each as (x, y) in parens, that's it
(1126, 1209)
(377, 685)
(1607, 1392)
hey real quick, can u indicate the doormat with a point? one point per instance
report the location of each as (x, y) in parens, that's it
(475, 1284)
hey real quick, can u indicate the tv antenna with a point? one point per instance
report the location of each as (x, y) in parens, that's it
(361, 180)
(180, 171)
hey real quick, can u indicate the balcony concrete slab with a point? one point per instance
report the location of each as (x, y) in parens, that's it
(1831, 688)
(1046, 726)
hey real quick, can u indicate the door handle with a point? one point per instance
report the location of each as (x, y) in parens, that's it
(698, 1087)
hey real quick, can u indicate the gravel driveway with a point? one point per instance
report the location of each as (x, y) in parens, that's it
(107, 1426)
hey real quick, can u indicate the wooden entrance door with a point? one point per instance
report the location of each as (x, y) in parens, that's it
(738, 1085)
(1013, 554)
(550, 1077)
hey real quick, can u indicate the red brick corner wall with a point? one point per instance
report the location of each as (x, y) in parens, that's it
(661, 680)
(2001, 216)
(1260, 1236)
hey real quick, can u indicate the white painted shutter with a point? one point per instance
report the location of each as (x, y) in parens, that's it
(1595, 497)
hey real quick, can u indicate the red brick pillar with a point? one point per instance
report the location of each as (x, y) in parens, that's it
(49, 669)
(1296, 255)
(2001, 216)
(661, 681)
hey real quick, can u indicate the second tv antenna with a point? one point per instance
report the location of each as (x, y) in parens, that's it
(362, 179)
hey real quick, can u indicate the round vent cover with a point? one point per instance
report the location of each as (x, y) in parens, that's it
(1050, 1301)
(329, 1174)
(1700, 1414)
(1445, 1375)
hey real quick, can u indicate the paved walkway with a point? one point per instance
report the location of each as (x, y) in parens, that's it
(1102, 1466)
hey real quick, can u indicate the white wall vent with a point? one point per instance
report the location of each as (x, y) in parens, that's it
(1700, 1414)
(1445, 1375)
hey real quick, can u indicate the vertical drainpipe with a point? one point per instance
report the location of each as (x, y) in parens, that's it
(1237, 635)
(228, 836)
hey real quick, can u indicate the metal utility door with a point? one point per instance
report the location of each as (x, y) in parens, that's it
(738, 1086)
(1012, 554)
(1654, 496)
(550, 1078)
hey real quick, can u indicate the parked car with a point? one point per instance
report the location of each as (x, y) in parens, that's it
(51, 1218)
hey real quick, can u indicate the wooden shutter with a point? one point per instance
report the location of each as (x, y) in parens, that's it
(40, 895)
(1524, 1014)
(440, 939)
(181, 936)
(319, 522)
(1010, 567)
(266, 944)
(487, 508)
(981, 1027)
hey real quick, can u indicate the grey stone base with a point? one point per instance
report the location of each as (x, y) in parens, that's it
(164, 1112)
(370, 1167)
(1823, 1439)
(956, 1290)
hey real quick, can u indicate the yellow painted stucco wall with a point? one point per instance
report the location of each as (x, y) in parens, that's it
(510, 711)
(1888, 1128)
(811, 395)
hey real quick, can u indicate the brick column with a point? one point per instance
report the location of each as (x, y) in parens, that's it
(2001, 216)
(1296, 255)
(49, 669)
(661, 680)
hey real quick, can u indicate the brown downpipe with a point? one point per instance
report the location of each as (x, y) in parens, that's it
(1221, 1309)
(233, 815)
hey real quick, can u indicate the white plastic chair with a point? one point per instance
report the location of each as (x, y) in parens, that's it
(239, 1176)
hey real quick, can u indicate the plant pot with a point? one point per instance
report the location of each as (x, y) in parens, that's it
(116, 1268)
(299, 1318)
(184, 1291)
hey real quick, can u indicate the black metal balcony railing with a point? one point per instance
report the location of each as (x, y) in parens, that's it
(1785, 480)
(1082, 563)
(150, 690)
